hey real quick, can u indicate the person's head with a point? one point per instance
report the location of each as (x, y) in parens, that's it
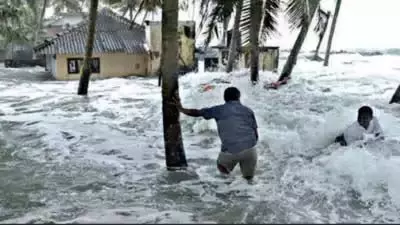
(365, 115)
(231, 94)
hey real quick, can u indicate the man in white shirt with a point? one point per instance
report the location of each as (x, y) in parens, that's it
(366, 125)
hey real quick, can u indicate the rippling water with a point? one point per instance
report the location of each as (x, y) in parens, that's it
(71, 159)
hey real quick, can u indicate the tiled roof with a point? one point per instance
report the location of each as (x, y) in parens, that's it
(112, 35)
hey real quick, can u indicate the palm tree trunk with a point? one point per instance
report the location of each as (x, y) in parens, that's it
(256, 15)
(223, 42)
(137, 13)
(333, 26)
(130, 13)
(85, 72)
(40, 22)
(396, 96)
(145, 16)
(322, 36)
(291, 61)
(262, 19)
(174, 151)
(235, 37)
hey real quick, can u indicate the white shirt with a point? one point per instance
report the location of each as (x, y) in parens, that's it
(355, 132)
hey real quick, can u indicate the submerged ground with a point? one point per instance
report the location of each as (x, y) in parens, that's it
(65, 158)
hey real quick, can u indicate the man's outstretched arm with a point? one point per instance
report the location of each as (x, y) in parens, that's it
(190, 112)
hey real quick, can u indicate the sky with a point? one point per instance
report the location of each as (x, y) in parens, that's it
(361, 24)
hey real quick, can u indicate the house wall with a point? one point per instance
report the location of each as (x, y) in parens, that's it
(268, 60)
(53, 65)
(111, 65)
(153, 36)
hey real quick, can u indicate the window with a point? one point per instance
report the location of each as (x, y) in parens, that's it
(75, 64)
(137, 66)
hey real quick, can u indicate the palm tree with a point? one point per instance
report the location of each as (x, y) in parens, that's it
(219, 10)
(17, 21)
(333, 26)
(124, 6)
(300, 14)
(147, 6)
(256, 15)
(40, 22)
(320, 29)
(174, 150)
(235, 37)
(66, 5)
(85, 72)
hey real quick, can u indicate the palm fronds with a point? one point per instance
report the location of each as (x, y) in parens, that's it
(269, 25)
(298, 12)
(220, 10)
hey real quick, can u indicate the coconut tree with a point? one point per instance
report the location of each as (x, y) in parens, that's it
(320, 29)
(174, 150)
(17, 21)
(235, 37)
(66, 5)
(85, 71)
(300, 14)
(124, 6)
(331, 33)
(147, 6)
(256, 16)
(219, 10)
(39, 18)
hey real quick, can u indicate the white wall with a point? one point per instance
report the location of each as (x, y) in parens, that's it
(53, 66)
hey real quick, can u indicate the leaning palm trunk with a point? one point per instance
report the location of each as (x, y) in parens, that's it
(260, 33)
(333, 26)
(85, 72)
(256, 15)
(130, 13)
(223, 42)
(321, 37)
(174, 151)
(137, 13)
(291, 61)
(40, 22)
(396, 96)
(235, 37)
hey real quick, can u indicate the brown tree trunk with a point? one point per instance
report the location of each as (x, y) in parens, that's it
(137, 13)
(144, 17)
(174, 151)
(332, 32)
(85, 72)
(40, 22)
(291, 61)
(256, 15)
(316, 56)
(235, 37)
(130, 13)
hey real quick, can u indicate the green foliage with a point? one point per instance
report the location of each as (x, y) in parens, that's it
(18, 19)
(213, 11)
(298, 11)
(124, 6)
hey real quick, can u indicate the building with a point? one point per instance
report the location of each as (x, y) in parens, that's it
(186, 32)
(118, 50)
(268, 58)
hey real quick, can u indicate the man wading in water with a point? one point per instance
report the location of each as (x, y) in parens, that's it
(237, 129)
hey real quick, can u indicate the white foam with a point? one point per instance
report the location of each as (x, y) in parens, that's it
(297, 123)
